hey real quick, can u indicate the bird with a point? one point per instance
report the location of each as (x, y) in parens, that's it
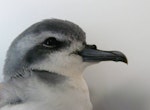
(44, 67)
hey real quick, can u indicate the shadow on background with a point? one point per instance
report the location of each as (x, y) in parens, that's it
(123, 98)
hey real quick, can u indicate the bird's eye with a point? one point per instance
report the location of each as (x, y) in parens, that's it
(50, 42)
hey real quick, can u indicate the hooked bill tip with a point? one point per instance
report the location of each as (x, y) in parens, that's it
(120, 57)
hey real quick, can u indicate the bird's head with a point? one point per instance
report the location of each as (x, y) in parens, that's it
(56, 46)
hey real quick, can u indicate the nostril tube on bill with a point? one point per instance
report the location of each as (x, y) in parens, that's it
(93, 46)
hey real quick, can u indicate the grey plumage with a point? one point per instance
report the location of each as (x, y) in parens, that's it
(56, 26)
(19, 59)
(15, 61)
(44, 64)
(49, 77)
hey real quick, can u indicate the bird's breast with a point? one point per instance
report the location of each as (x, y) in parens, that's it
(70, 95)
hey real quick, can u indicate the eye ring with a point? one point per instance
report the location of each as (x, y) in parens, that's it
(51, 42)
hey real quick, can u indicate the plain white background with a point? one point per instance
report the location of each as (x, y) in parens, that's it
(122, 25)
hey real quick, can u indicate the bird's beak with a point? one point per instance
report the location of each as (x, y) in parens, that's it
(91, 54)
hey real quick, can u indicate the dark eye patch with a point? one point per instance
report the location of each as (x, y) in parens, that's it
(36, 54)
(41, 51)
